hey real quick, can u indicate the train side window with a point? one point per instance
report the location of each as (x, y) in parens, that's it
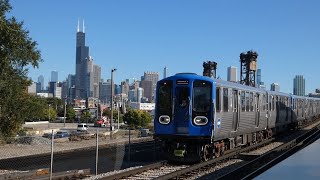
(277, 103)
(280, 103)
(218, 104)
(251, 101)
(270, 103)
(247, 101)
(264, 102)
(273, 103)
(293, 105)
(243, 102)
(225, 100)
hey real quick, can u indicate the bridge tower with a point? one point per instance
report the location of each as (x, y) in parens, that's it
(210, 69)
(248, 67)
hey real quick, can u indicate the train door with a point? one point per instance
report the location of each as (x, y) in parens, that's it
(236, 109)
(296, 104)
(181, 109)
(277, 109)
(257, 108)
(267, 108)
(288, 102)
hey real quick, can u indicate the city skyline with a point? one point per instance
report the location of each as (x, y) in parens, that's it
(135, 37)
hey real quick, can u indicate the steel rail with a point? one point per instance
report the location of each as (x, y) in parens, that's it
(228, 155)
(254, 167)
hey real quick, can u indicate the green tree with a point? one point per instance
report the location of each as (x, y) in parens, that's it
(35, 109)
(85, 117)
(145, 119)
(52, 111)
(57, 104)
(17, 52)
(70, 113)
(115, 116)
(137, 118)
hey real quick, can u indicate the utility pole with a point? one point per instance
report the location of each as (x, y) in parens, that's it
(118, 106)
(49, 115)
(64, 117)
(111, 104)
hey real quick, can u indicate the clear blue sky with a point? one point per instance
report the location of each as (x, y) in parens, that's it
(147, 35)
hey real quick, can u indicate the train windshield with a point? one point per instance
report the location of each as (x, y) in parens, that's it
(201, 96)
(165, 98)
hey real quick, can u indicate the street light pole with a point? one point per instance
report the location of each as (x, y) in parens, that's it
(118, 106)
(64, 117)
(111, 104)
(49, 115)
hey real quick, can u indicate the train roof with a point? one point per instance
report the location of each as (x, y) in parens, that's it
(229, 84)
(220, 82)
(191, 76)
(277, 93)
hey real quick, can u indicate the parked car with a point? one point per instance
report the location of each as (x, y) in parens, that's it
(82, 127)
(47, 135)
(61, 134)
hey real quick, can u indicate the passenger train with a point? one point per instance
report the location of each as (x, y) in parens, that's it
(198, 118)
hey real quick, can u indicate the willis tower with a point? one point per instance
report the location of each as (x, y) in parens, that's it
(82, 60)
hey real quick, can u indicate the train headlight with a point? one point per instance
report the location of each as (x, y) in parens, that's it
(164, 119)
(200, 120)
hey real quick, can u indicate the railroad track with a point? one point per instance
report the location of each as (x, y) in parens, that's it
(163, 170)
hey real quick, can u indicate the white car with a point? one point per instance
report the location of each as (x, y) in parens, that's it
(82, 127)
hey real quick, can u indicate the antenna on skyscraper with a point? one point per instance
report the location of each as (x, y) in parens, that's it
(78, 26)
(83, 25)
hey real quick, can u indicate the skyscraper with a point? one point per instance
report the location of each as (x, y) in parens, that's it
(32, 89)
(54, 76)
(154, 78)
(124, 87)
(275, 87)
(147, 86)
(132, 95)
(55, 88)
(96, 80)
(105, 91)
(258, 77)
(299, 85)
(82, 58)
(139, 94)
(41, 81)
(71, 87)
(93, 79)
(232, 74)
(87, 77)
(165, 71)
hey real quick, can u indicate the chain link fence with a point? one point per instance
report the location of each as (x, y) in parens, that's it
(67, 149)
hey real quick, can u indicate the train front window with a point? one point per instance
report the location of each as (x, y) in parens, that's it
(202, 96)
(165, 98)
